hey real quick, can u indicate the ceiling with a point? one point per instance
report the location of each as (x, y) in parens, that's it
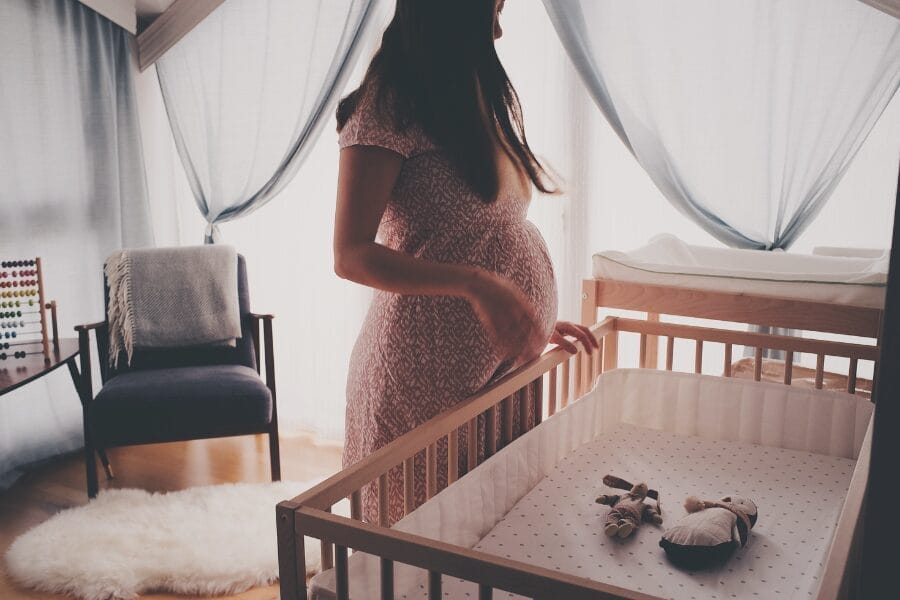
(147, 10)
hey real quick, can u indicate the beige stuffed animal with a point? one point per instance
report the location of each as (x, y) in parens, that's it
(628, 510)
(710, 531)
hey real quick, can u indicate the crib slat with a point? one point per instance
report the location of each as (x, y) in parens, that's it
(670, 352)
(851, 375)
(507, 411)
(585, 372)
(643, 351)
(342, 583)
(485, 592)
(490, 431)
(578, 376)
(409, 490)
(652, 355)
(564, 394)
(383, 500)
(430, 470)
(757, 364)
(453, 456)
(472, 443)
(611, 352)
(537, 401)
(728, 360)
(327, 556)
(524, 409)
(356, 506)
(327, 553)
(788, 367)
(820, 370)
(698, 357)
(601, 351)
(434, 585)
(551, 391)
(387, 579)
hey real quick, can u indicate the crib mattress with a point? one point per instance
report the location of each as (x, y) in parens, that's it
(666, 260)
(792, 450)
(558, 525)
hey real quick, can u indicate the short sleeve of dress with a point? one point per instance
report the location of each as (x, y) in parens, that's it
(373, 125)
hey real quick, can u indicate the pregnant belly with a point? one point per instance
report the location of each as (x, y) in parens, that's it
(435, 346)
(515, 251)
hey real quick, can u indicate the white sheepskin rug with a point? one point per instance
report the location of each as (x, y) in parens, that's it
(203, 541)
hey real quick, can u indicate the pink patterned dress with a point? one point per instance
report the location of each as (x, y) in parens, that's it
(417, 356)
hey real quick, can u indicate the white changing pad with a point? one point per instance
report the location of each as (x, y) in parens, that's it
(558, 525)
(666, 260)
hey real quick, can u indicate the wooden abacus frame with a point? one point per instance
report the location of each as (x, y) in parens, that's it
(49, 331)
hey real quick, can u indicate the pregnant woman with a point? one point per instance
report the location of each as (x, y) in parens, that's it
(434, 185)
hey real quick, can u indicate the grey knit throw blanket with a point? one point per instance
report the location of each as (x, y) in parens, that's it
(171, 298)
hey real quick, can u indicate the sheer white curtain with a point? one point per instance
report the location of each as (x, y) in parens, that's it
(72, 188)
(248, 91)
(608, 202)
(745, 115)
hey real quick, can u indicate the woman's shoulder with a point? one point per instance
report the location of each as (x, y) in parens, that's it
(377, 121)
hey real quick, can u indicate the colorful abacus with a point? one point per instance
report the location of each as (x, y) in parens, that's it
(23, 322)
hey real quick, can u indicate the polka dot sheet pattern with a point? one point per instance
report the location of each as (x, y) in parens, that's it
(559, 526)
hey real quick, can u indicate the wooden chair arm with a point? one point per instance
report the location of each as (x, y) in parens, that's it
(89, 326)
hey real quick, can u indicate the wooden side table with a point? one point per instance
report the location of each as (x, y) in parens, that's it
(18, 372)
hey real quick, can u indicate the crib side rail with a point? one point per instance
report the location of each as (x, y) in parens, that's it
(761, 342)
(440, 558)
(343, 484)
(738, 307)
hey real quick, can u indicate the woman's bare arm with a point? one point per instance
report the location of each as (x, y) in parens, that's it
(365, 181)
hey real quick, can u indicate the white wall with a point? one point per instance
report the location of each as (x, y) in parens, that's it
(609, 203)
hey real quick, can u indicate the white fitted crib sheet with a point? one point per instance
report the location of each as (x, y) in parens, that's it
(666, 260)
(558, 525)
(790, 449)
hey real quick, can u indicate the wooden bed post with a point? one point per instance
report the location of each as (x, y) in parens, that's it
(878, 569)
(291, 555)
(588, 302)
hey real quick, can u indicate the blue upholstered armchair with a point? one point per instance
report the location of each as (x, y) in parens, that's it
(181, 394)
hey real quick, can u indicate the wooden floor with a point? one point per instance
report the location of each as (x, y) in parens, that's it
(61, 484)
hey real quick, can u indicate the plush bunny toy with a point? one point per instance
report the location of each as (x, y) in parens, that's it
(710, 532)
(628, 510)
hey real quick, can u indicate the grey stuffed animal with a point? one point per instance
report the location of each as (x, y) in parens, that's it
(628, 510)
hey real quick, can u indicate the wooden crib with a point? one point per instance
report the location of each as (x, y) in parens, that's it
(553, 380)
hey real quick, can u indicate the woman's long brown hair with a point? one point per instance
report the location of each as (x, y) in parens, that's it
(439, 66)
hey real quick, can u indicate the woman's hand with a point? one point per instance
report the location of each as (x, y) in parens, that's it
(579, 332)
(509, 318)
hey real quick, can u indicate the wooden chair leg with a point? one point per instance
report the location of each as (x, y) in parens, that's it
(274, 453)
(93, 485)
(104, 460)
